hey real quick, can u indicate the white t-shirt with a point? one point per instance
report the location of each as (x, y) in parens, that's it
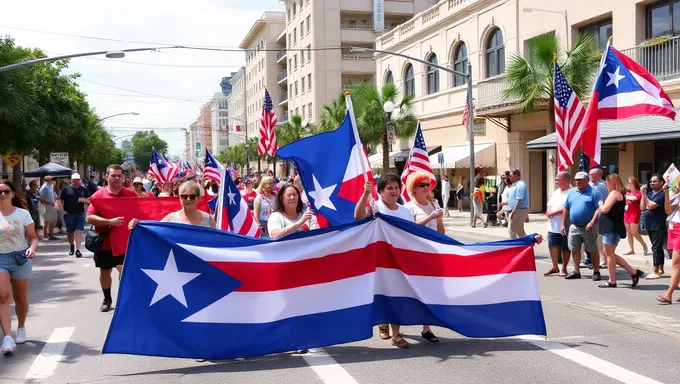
(506, 193)
(401, 211)
(420, 212)
(446, 188)
(278, 221)
(556, 202)
(13, 231)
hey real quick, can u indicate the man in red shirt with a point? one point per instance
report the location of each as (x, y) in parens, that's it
(105, 260)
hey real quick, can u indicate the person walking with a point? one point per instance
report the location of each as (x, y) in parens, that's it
(446, 194)
(263, 205)
(72, 205)
(249, 194)
(654, 215)
(632, 216)
(518, 205)
(580, 207)
(477, 199)
(18, 243)
(557, 241)
(33, 202)
(613, 230)
(49, 203)
(460, 195)
(671, 207)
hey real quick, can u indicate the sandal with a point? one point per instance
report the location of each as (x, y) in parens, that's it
(398, 341)
(631, 252)
(563, 274)
(607, 285)
(636, 277)
(663, 300)
(429, 336)
(384, 331)
(552, 271)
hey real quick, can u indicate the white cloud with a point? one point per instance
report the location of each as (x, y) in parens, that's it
(205, 23)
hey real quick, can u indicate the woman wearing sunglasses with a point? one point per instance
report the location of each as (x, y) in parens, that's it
(189, 193)
(17, 230)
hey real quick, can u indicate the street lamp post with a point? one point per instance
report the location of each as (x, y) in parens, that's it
(468, 79)
(108, 54)
(388, 107)
(566, 20)
(119, 114)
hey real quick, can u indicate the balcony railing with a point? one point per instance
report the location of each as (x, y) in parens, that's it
(357, 56)
(284, 97)
(358, 26)
(284, 118)
(490, 93)
(281, 55)
(662, 59)
(282, 75)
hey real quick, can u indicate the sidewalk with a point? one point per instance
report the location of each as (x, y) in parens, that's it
(458, 225)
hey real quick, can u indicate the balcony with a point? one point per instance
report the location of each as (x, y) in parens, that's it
(353, 32)
(282, 77)
(491, 100)
(284, 98)
(281, 56)
(661, 58)
(283, 119)
(358, 63)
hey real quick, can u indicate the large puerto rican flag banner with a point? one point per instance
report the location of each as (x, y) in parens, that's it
(331, 171)
(195, 292)
(623, 89)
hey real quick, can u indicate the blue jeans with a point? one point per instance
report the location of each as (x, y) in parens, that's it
(16, 264)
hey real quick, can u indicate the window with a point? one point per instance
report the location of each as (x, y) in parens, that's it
(302, 83)
(389, 79)
(309, 111)
(601, 31)
(297, 111)
(302, 29)
(495, 54)
(288, 13)
(302, 58)
(409, 80)
(296, 88)
(294, 5)
(309, 23)
(290, 63)
(304, 108)
(289, 40)
(294, 36)
(663, 19)
(432, 75)
(309, 81)
(295, 62)
(460, 64)
(291, 89)
(309, 52)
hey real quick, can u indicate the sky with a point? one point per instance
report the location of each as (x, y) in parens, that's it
(189, 75)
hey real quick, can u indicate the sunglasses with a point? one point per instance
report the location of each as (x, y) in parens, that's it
(188, 197)
(423, 185)
(5, 192)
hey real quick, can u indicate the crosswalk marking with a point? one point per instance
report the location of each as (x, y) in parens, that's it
(325, 366)
(50, 356)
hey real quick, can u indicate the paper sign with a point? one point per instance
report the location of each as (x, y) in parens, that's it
(672, 176)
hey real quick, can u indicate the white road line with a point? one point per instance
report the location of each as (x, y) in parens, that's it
(86, 265)
(589, 361)
(325, 366)
(50, 356)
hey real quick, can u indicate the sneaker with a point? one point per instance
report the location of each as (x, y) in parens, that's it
(78, 254)
(653, 276)
(21, 336)
(603, 264)
(106, 306)
(597, 276)
(70, 252)
(8, 345)
(586, 264)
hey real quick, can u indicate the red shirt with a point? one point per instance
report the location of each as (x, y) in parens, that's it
(250, 198)
(105, 194)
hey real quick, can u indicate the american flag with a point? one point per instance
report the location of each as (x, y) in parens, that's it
(466, 113)
(232, 210)
(569, 113)
(267, 143)
(418, 160)
(160, 169)
(212, 169)
(234, 171)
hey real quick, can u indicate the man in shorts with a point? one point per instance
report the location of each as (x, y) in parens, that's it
(105, 260)
(49, 202)
(580, 207)
(72, 204)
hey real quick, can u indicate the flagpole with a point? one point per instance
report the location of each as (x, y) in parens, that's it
(220, 199)
(357, 139)
(471, 113)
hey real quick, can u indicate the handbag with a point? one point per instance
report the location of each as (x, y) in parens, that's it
(94, 241)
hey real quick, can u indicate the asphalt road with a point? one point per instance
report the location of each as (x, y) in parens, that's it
(595, 335)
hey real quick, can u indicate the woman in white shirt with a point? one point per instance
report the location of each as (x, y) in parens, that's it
(425, 209)
(672, 209)
(17, 230)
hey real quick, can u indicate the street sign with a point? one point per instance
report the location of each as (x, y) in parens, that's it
(198, 146)
(12, 159)
(60, 158)
(440, 158)
(479, 127)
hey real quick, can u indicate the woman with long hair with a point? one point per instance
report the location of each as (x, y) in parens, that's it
(290, 215)
(167, 190)
(632, 216)
(613, 230)
(477, 198)
(263, 206)
(18, 242)
(138, 187)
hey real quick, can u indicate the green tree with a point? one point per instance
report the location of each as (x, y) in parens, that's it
(368, 103)
(142, 144)
(530, 78)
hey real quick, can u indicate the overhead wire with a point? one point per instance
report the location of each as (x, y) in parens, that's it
(139, 92)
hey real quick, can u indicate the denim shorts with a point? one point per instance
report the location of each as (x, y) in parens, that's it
(9, 264)
(558, 240)
(611, 238)
(74, 221)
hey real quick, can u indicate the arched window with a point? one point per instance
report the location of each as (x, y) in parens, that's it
(389, 79)
(460, 64)
(495, 54)
(409, 80)
(432, 75)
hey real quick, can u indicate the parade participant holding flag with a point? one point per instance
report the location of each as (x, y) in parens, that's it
(290, 215)
(264, 203)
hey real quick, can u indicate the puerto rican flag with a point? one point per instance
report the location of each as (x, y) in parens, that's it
(331, 170)
(194, 292)
(623, 89)
(232, 210)
(162, 170)
(212, 169)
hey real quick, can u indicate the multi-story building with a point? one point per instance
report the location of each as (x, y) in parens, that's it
(261, 71)
(220, 116)
(315, 75)
(236, 103)
(486, 33)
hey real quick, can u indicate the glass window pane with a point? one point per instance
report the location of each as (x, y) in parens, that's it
(676, 18)
(501, 60)
(660, 21)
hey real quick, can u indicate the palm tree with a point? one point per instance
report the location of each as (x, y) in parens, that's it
(368, 104)
(530, 79)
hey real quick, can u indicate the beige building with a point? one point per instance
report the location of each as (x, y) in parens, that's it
(312, 77)
(486, 33)
(236, 104)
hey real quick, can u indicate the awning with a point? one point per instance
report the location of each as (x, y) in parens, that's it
(459, 156)
(400, 155)
(644, 128)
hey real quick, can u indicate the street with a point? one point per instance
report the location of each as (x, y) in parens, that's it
(594, 335)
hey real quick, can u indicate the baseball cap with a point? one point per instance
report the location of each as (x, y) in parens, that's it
(581, 175)
(137, 180)
(75, 176)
